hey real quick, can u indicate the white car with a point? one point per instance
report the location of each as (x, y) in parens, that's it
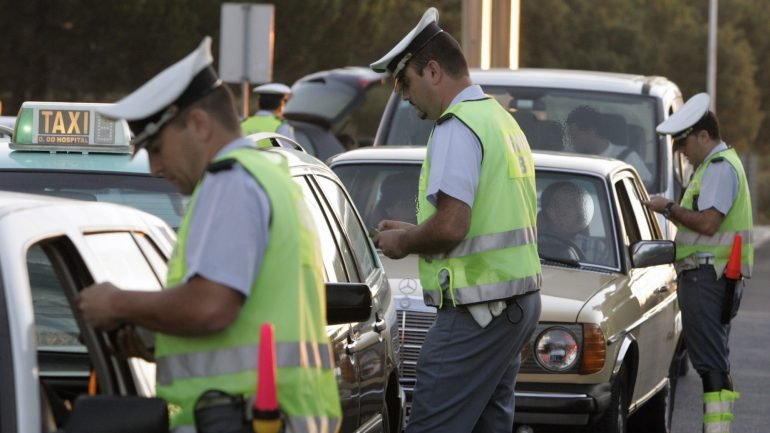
(609, 340)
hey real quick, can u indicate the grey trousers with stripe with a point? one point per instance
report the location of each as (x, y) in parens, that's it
(466, 374)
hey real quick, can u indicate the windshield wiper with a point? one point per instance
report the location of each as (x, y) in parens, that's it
(562, 261)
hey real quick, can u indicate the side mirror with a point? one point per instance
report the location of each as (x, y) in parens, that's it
(110, 413)
(652, 253)
(347, 303)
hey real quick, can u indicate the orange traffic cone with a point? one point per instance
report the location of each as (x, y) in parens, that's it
(733, 269)
(267, 415)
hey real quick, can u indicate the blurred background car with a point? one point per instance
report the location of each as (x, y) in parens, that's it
(608, 343)
(321, 106)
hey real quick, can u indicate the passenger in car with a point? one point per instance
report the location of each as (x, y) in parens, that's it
(245, 255)
(589, 133)
(481, 271)
(566, 211)
(398, 195)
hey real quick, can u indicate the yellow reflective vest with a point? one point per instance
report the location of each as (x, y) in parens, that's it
(289, 292)
(498, 258)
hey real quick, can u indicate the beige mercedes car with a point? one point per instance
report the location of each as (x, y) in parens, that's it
(609, 341)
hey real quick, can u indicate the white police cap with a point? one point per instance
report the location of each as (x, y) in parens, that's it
(414, 41)
(273, 88)
(159, 100)
(686, 117)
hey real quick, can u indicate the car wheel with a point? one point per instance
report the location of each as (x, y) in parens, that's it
(615, 418)
(655, 416)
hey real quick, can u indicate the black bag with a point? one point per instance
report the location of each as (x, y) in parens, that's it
(219, 412)
(118, 414)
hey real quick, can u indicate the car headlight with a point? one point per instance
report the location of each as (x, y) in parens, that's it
(556, 349)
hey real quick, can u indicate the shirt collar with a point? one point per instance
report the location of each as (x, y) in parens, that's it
(469, 93)
(233, 145)
(718, 148)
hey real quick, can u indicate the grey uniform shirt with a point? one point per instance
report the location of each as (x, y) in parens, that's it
(455, 166)
(455, 156)
(719, 185)
(228, 227)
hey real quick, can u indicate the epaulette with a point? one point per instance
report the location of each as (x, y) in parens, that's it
(221, 165)
(718, 159)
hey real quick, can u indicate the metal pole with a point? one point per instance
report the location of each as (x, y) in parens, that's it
(711, 74)
(246, 56)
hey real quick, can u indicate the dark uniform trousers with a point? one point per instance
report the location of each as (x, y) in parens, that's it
(701, 295)
(466, 374)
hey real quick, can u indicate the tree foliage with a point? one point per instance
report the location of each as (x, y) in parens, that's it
(90, 50)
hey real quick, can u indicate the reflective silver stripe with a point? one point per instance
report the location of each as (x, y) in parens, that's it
(486, 292)
(494, 241)
(719, 238)
(237, 359)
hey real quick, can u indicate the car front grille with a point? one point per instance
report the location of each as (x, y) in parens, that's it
(413, 326)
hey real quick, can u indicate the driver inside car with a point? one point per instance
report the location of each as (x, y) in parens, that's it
(566, 211)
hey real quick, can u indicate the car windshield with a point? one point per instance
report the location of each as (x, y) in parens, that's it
(574, 219)
(626, 121)
(150, 194)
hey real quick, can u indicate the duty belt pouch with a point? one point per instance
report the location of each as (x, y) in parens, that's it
(732, 300)
(219, 412)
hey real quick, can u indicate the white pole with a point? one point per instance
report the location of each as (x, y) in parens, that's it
(711, 74)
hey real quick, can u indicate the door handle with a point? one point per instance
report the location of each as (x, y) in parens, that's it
(379, 324)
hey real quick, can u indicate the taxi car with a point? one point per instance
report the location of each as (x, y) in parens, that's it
(609, 342)
(69, 150)
(630, 106)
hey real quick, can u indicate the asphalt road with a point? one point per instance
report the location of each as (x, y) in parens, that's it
(750, 358)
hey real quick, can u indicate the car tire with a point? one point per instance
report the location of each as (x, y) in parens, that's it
(656, 414)
(615, 418)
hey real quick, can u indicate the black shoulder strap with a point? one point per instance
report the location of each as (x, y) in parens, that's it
(221, 165)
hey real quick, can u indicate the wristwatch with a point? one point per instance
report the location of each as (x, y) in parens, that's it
(667, 210)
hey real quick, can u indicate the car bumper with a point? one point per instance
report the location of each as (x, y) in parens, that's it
(562, 404)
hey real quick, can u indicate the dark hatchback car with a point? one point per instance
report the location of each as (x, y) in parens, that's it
(321, 106)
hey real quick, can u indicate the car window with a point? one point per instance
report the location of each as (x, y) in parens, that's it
(150, 194)
(574, 219)
(382, 191)
(334, 266)
(55, 324)
(362, 247)
(625, 201)
(641, 213)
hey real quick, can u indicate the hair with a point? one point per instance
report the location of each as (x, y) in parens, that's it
(270, 101)
(445, 50)
(220, 104)
(710, 124)
(585, 117)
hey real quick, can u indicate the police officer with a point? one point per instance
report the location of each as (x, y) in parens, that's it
(269, 117)
(715, 207)
(245, 255)
(476, 237)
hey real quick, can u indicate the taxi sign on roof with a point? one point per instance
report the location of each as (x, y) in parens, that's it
(68, 127)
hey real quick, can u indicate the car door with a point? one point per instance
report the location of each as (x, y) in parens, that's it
(342, 337)
(653, 287)
(371, 336)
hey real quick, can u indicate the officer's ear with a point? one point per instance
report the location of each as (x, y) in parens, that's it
(199, 123)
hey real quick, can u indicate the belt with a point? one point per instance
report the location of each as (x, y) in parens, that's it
(704, 260)
(447, 302)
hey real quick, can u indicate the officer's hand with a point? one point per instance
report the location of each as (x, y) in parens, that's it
(96, 305)
(656, 203)
(393, 225)
(390, 243)
(128, 344)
